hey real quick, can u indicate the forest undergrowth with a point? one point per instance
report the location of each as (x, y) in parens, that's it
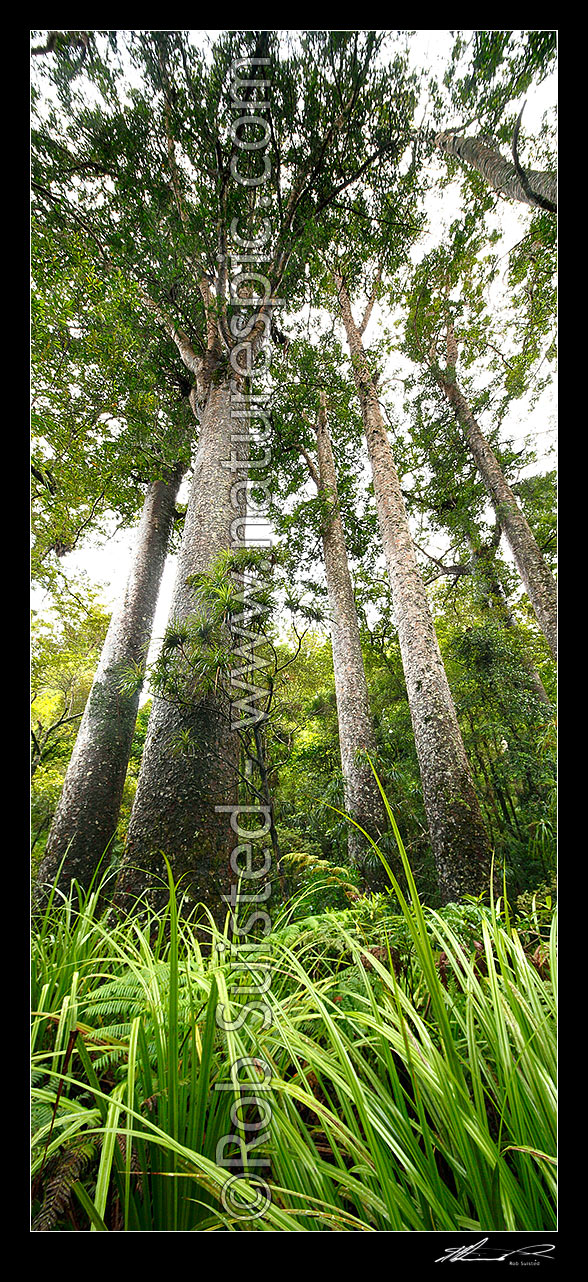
(404, 1080)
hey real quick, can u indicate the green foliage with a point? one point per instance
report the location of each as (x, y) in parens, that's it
(66, 645)
(491, 70)
(106, 415)
(412, 1080)
(538, 498)
(322, 884)
(505, 723)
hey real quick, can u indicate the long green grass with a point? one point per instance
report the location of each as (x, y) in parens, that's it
(427, 1105)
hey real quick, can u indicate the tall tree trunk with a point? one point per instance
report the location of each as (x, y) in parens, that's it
(458, 838)
(191, 755)
(87, 814)
(363, 800)
(538, 580)
(532, 186)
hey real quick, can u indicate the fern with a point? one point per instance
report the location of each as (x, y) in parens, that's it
(60, 1174)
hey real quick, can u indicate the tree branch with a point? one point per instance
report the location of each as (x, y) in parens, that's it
(311, 467)
(368, 311)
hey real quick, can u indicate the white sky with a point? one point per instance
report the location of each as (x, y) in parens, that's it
(106, 561)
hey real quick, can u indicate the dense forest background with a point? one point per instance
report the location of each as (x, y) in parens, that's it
(293, 358)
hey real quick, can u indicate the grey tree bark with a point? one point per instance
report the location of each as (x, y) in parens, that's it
(87, 814)
(181, 783)
(363, 800)
(458, 837)
(533, 186)
(538, 580)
